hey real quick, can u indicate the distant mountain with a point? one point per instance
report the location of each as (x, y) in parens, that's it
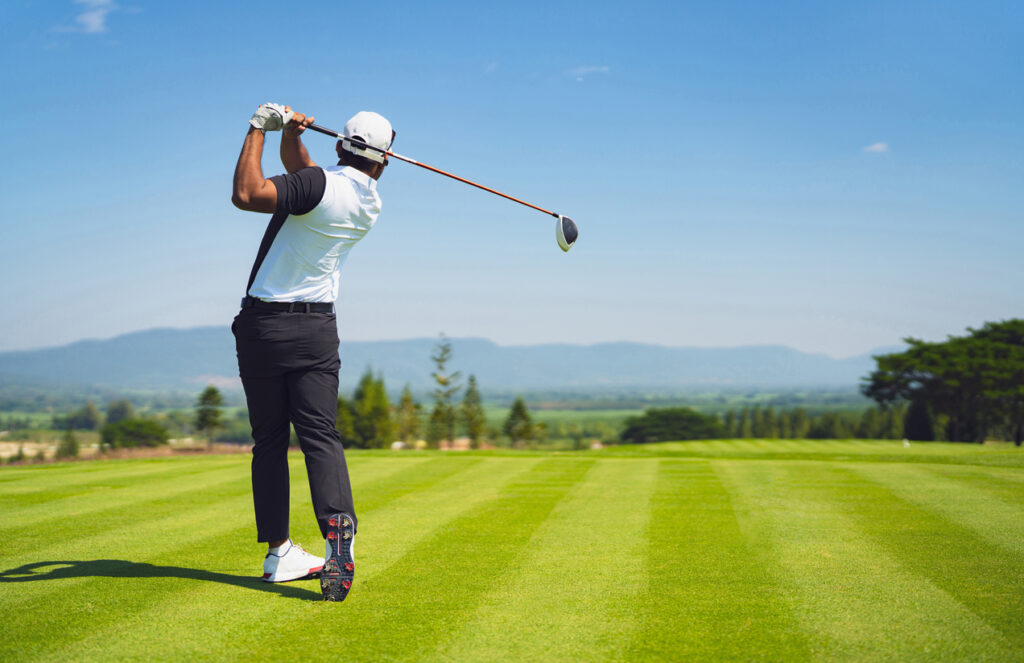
(182, 359)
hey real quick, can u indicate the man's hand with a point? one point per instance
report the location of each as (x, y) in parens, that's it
(271, 117)
(297, 124)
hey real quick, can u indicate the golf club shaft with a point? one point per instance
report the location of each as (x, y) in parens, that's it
(414, 162)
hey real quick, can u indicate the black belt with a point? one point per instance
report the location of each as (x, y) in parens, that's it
(291, 307)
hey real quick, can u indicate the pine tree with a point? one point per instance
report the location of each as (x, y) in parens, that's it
(746, 424)
(443, 414)
(68, 447)
(800, 422)
(372, 411)
(518, 425)
(472, 413)
(785, 425)
(408, 417)
(345, 423)
(729, 424)
(208, 413)
(770, 423)
(436, 425)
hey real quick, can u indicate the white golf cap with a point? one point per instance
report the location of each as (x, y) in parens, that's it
(370, 128)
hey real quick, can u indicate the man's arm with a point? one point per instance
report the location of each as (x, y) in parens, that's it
(251, 192)
(293, 153)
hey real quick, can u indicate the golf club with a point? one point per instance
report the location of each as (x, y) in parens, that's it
(566, 231)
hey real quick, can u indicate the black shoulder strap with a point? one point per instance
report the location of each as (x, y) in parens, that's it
(274, 227)
(297, 193)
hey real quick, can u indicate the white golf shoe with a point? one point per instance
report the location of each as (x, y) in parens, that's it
(290, 563)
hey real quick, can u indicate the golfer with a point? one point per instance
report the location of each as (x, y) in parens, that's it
(286, 334)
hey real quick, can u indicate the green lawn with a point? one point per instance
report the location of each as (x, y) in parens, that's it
(726, 550)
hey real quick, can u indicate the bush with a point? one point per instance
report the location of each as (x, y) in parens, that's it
(667, 424)
(134, 433)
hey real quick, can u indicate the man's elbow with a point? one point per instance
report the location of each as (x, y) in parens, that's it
(240, 200)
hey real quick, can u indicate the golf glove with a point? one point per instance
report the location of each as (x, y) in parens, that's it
(270, 117)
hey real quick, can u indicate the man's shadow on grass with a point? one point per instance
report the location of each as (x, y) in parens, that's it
(118, 568)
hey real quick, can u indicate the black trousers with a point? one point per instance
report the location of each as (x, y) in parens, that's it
(289, 366)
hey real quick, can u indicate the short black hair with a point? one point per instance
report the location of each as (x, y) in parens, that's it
(361, 163)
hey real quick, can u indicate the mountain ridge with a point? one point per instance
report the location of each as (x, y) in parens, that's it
(176, 358)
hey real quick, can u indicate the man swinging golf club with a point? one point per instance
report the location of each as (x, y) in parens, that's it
(286, 334)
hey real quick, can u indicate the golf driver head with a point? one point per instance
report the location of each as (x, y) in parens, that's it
(566, 232)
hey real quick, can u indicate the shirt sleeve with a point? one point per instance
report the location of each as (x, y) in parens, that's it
(301, 191)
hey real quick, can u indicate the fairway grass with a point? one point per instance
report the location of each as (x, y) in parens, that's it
(726, 550)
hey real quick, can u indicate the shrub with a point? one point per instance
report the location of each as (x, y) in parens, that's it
(134, 433)
(673, 423)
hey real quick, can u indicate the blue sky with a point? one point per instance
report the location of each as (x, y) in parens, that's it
(828, 176)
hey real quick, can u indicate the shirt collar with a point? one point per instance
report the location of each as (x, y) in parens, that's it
(359, 176)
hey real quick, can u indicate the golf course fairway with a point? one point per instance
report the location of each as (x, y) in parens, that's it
(725, 550)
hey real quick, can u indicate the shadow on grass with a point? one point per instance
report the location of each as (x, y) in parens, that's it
(118, 568)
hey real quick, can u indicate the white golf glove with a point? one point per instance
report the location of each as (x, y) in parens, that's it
(270, 117)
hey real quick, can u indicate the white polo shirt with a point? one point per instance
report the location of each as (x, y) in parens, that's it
(321, 214)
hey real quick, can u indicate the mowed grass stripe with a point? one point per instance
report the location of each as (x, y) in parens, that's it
(968, 501)
(373, 486)
(427, 592)
(1005, 484)
(230, 582)
(61, 481)
(707, 597)
(854, 599)
(99, 499)
(128, 533)
(984, 577)
(564, 598)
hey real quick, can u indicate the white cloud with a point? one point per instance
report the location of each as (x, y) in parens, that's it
(877, 147)
(93, 19)
(583, 71)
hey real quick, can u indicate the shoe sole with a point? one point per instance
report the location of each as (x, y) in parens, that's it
(271, 577)
(339, 568)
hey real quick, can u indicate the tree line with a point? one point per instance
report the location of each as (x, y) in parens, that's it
(683, 423)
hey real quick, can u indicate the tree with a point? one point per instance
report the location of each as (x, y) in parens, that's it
(668, 424)
(519, 424)
(408, 417)
(437, 424)
(87, 418)
(800, 423)
(345, 422)
(68, 447)
(119, 411)
(372, 411)
(746, 425)
(208, 413)
(472, 413)
(443, 417)
(730, 424)
(973, 384)
(917, 423)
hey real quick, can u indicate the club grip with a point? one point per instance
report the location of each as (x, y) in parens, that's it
(329, 132)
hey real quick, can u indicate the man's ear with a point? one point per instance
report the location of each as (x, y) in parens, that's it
(337, 148)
